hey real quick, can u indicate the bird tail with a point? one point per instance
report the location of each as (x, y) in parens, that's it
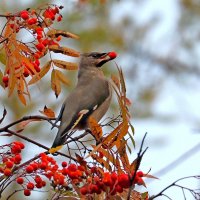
(57, 144)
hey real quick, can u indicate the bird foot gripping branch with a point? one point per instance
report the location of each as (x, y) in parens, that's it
(85, 97)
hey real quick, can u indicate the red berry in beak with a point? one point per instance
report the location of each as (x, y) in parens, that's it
(112, 55)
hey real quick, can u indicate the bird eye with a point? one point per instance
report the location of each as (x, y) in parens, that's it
(95, 55)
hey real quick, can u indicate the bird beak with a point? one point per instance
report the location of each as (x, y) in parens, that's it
(105, 57)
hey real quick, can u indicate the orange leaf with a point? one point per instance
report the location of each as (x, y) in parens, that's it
(55, 33)
(20, 91)
(42, 73)
(62, 77)
(64, 50)
(95, 128)
(65, 65)
(55, 83)
(48, 112)
(108, 138)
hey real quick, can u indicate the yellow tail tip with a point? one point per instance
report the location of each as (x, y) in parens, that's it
(55, 149)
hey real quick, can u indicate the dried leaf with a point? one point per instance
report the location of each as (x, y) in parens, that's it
(64, 50)
(108, 138)
(42, 73)
(23, 124)
(55, 83)
(62, 77)
(116, 81)
(20, 90)
(95, 128)
(150, 176)
(48, 112)
(65, 65)
(55, 33)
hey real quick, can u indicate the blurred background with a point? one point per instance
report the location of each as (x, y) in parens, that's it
(158, 46)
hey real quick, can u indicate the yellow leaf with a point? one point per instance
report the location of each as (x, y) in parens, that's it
(62, 77)
(55, 83)
(65, 65)
(42, 73)
(55, 33)
(64, 50)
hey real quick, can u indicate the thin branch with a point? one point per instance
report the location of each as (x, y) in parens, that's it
(161, 193)
(39, 117)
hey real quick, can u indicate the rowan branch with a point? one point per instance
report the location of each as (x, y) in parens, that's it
(139, 159)
(25, 118)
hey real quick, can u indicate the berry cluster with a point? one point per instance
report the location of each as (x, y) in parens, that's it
(111, 183)
(89, 180)
(11, 158)
(36, 23)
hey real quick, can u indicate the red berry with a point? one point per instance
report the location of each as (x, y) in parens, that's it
(114, 176)
(43, 183)
(119, 189)
(72, 167)
(59, 18)
(93, 188)
(7, 172)
(29, 169)
(24, 14)
(81, 168)
(40, 47)
(15, 149)
(26, 72)
(140, 181)
(38, 185)
(9, 164)
(17, 159)
(65, 171)
(27, 192)
(30, 186)
(58, 38)
(107, 179)
(20, 144)
(64, 164)
(34, 165)
(140, 174)
(37, 68)
(124, 181)
(112, 55)
(5, 79)
(32, 21)
(84, 190)
(38, 179)
(43, 165)
(20, 180)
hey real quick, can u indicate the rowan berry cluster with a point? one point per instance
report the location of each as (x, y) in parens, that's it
(45, 169)
(111, 183)
(10, 157)
(35, 23)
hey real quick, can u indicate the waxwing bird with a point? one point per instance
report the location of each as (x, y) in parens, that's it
(90, 98)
